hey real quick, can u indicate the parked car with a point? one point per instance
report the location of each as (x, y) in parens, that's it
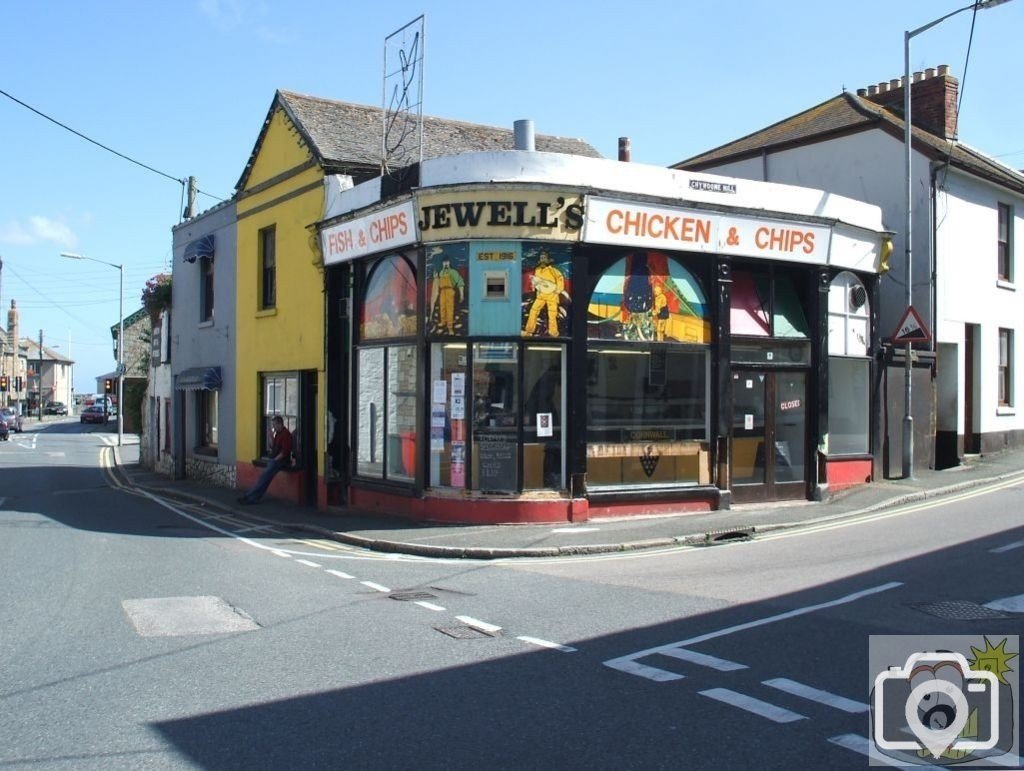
(56, 408)
(93, 414)
(12, 418)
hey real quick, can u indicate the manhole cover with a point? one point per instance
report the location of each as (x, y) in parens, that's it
(462, 632)
(408, 596)
(959, 610)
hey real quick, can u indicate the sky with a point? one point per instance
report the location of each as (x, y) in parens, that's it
(183, 88)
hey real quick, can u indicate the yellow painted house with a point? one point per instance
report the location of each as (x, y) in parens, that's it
(280, 333)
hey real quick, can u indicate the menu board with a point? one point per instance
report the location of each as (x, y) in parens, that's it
(496, 461)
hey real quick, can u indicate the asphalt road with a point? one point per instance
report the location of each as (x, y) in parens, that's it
(136, 633)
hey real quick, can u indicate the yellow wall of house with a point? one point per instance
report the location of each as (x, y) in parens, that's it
(290, 337)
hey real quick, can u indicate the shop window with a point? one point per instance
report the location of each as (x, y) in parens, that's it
(386, 417)
(495, 418)
(1004, 257)
(766, 306)
(279, 392)
(647, 296)
(207, 403)
(849, 316)
(1005, 368)
(849, 406)
(448, 419)
(389, 302)
(647, 395)
(268, 268)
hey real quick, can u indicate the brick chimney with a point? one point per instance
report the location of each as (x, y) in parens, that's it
(933, 96)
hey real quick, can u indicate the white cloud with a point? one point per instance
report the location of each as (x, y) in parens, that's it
(35, 230)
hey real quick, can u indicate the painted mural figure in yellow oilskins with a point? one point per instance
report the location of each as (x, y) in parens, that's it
(447, 282)
(659, 311)
(548, 285)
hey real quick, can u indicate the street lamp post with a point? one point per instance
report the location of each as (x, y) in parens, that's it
(120, 339)
(908, 418)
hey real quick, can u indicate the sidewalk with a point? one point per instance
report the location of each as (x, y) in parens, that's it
(597, 536)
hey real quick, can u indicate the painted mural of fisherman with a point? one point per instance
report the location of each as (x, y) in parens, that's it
(548, 286)
(447, 281)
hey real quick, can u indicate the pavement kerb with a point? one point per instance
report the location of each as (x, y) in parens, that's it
(493, 553)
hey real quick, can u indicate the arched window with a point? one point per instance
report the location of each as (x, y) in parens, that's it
(648, 296)
(389, 303)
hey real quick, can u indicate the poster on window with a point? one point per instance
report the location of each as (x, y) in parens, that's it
(547, 290)
(447, 304)
(458, 464)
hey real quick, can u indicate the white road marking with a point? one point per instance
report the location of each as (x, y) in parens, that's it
(483, 626)
(576, 530)
(866, 747)
(547, 644)
(1008, 604)
(275, 552)
(818, 695)
(771, 711)
(1007, 547)
(374, 586)
(630, 667)
(621, 663)
(428, 605)
(339, 574)
(307, 562)
(702, 659)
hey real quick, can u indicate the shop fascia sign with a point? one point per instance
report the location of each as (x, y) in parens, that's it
(626, 223)
(382, 230)
(500, 213)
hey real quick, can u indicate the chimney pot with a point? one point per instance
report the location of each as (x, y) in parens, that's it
(918, 77)
(862, 92)
(883, 87)
(624, 147)
(524, 136)
(943, 70)
(930, 72)
(872, 90)
(894, 84)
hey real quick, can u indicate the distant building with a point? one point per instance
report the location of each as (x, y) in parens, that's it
(137, 335)
(49, 377)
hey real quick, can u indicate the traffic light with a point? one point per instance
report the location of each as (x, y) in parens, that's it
(3, 382)
(17, 383)
(108, 386)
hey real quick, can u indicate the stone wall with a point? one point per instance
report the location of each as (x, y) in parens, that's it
(209, 470)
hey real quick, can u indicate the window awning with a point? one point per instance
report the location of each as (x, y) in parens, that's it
(199, 249)
(199, 378)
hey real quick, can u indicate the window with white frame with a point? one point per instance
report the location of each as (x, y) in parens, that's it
(1005, 367)
(849, 366)
(1005, 248)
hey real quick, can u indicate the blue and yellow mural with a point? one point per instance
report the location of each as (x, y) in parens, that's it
(447, 306)
(547, 289)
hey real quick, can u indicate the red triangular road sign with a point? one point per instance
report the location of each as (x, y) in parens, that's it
(911, 328)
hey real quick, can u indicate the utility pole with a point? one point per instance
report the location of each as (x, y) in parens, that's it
(40, 405)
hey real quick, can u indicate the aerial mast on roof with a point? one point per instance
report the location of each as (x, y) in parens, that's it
(402, 130)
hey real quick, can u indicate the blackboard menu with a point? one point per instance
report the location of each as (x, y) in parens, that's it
(496, 460)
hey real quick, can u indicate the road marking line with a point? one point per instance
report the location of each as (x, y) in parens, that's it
(1007, 547)
(774, 713)
(339, 574)
(627, 663)
(307, 562)
(630, 667)
(702, 659)
(428, 605)
(483, 626)
(548, 644)
(277, 553)
(866, 747)
(323, 545)
(377, 587)
(818, 695)
(1008, 604)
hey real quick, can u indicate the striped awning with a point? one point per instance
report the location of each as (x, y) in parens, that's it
(198, 379)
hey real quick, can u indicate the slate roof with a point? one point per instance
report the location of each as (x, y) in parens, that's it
(850, 113)
(346, 137)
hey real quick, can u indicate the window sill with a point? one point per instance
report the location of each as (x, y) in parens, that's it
(205, 453)
(204, 324)
(1008, 285)
(1006, 410)
(266, 312)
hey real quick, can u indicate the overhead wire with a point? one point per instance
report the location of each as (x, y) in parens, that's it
(181, 181)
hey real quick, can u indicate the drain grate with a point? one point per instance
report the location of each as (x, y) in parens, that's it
(959, 610)
(410, 596)
(462, 632)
